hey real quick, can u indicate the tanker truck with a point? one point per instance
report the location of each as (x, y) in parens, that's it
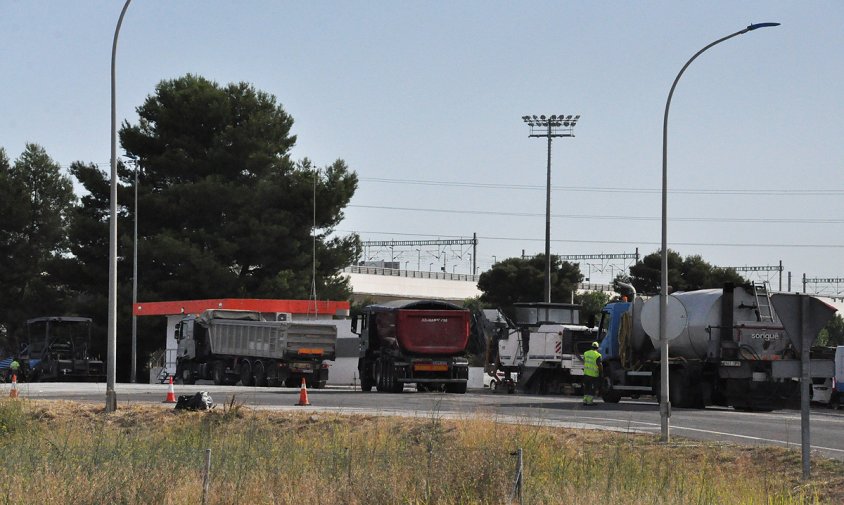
(413, 341)
(228, 346)
(726, 347)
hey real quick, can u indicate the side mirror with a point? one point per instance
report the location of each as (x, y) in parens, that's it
(355, 325)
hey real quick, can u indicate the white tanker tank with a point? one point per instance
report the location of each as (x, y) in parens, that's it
(701, 324)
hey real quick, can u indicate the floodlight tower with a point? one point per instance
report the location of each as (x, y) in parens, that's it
(554, 126)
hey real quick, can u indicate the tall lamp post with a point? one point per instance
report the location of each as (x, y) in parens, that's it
(664, 403)
(111, 351)
(554, 126)
(134, 370)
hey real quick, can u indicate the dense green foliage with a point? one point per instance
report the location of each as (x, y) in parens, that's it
(523, 280)
(833, 333)
(591, 304)
(683, 274)
(35, 201)
(223, 212)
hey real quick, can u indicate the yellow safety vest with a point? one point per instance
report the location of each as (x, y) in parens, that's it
(590, 363)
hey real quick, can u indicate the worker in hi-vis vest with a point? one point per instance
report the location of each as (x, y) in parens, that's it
(592, 368)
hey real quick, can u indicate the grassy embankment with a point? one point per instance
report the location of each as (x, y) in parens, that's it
(60, 452)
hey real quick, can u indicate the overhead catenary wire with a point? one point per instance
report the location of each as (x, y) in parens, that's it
(611, 217)
(603, 189)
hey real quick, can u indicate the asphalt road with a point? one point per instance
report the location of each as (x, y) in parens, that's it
(779, 428)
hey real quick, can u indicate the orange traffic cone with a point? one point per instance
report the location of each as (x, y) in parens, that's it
(303, 395)
(13, 393)
(171, 395)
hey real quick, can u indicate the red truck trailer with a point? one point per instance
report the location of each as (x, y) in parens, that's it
(413, 341)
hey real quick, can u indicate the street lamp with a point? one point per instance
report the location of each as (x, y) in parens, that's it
(553, 126)
(111, 350)
(134, 368)
(664, 403)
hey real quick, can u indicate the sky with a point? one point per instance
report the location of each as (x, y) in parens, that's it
(423, 100)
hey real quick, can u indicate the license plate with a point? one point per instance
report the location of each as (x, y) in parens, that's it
(730, 363)
(314, 352)
(427, 367)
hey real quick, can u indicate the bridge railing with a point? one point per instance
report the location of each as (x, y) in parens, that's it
(415, 274)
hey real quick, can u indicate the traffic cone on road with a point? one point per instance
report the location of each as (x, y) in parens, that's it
(303, 395)
(171, 395)
(13, 393)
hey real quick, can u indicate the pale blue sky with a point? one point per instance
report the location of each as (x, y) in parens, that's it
(433, 92)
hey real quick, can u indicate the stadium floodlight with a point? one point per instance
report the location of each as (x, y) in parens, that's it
(557, 125)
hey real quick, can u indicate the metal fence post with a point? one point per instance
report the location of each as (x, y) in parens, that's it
(206, 480)
(518, 482)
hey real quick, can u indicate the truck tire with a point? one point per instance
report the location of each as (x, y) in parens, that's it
(366, 381)
(380, 386)
(260, 374)
(185, 376)
(607, 393)
(398, 387)
(219, 373)
(246, 377)
(457, 387)
(679, 392)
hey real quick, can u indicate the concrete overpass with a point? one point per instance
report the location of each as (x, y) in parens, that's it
(380, 284)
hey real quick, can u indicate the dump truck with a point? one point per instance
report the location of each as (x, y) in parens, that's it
(231, 346)
(540, 351)
(726, 347)
(422, 342)
(57, 349)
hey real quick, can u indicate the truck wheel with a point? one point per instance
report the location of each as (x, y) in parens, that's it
(398, 387)
(219, 373)
(186, 376)
(611, 397)
(456, 387)
(246, 373)
(379, 376)
(365, 379)
(260, 375)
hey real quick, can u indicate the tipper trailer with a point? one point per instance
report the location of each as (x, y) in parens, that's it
(413, 341)
(228, 346)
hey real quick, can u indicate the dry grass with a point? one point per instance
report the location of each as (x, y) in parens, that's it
(61, 452)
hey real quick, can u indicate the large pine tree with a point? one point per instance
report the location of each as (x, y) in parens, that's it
(223, 209)
(35, 201)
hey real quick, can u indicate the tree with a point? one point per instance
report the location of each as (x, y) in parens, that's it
(523, 280)
(35, 201)
(592, 303)
(832, 334)
(224, 211)
(686, 274)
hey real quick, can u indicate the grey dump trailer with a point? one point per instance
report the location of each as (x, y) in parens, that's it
(229, 346)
